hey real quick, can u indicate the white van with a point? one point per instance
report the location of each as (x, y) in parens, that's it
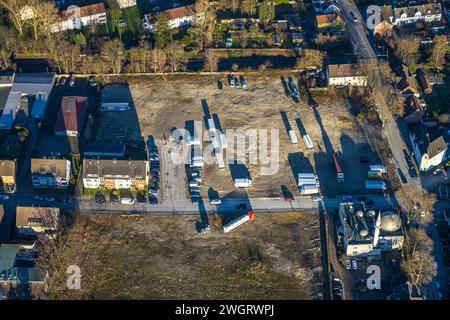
(127, 200)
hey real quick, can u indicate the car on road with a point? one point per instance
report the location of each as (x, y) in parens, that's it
(354, 265)
(348, 266)
(215, 202)
(4, 197)
(437, 172)
(355, 19)
(316, 198)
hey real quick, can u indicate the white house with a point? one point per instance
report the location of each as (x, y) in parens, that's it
(429, 148)
(79, 17)
(344, 75)
(50, 173)
(178, 17)
(431, 12)
(126, 3)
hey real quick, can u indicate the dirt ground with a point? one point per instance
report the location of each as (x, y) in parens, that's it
(162, 107)
(147, 257)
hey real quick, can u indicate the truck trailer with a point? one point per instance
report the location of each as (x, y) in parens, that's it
(338, 167)
(233, 224)
(293, 137)
(243, 182)
(378, 167)
(309, 189)
(308, 142)
(375, 185)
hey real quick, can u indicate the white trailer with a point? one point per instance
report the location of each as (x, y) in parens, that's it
(308, 142)
(378, 167)
(309, 189)
(243, 182)
(375, 185)
(219, 158)
(308, 178)
(195, 137)
(223, 140)
(293, 137)
(213, 134)
(233, 224)
(197, 159)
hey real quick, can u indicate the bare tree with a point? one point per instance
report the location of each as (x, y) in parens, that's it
(418, 240)
(158, 61)
(15, 12)
(419, 267)
(211, 61)
(48, 16)
(175, 56)
(309, 58)
(113, 50)
(7, 45)
(406, 48)
(439, 50)
(418, 204)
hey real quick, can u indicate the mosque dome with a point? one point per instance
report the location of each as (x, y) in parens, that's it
(390, 221)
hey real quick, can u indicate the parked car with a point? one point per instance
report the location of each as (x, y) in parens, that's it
(72, 81)
(354, 265)
(100, 198)
(232, 83)
(152, 200)
(4, 197)
(195, 199)
(236, 83)
(153, 191)
(38, 198)
(215, 202)
(348, 266)
(63, 81)
(437, 172)
(49, 199)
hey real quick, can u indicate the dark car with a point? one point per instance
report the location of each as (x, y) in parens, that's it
(140, 198)
(100, 198)
(113, 198)
(195, 200)
(152, 200)
(241, 206)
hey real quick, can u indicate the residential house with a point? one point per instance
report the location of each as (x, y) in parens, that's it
(36, 85)
(384, 27)
(80, 17)
(345, 74)
(50, 173)
(415, 110)
(126, 3)
(178, 17)
(330, 24)
(429, 147)
(31, 221)
(115, 174)
(429, 12)
(8, 173)
(71, 116)
(408, 87)
(294, 22)
(424, 83)
(17, 265)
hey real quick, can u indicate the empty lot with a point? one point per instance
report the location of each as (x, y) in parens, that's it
(144, 257)
(162, 107)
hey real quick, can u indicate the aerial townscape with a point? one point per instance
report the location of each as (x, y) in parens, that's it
(224, 150)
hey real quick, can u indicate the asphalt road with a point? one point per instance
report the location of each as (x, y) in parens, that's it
(359, 37)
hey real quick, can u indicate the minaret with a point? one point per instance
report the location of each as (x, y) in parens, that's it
(376, 234)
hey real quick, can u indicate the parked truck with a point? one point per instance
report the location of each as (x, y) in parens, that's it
(243, 182)
(374, 174)
(293, 137)
(378, 167)
(233, 224)
(375, 185)
(338, 167)
(308, 142)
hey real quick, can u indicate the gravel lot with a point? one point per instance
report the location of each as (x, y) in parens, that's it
(162, 107)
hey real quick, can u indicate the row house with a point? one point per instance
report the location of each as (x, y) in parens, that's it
(115, 174)
(345, 74)
(50, 173)
(79, 17)
(178, 17)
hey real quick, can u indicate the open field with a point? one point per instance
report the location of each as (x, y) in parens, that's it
(142, 257)
(161, 107)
